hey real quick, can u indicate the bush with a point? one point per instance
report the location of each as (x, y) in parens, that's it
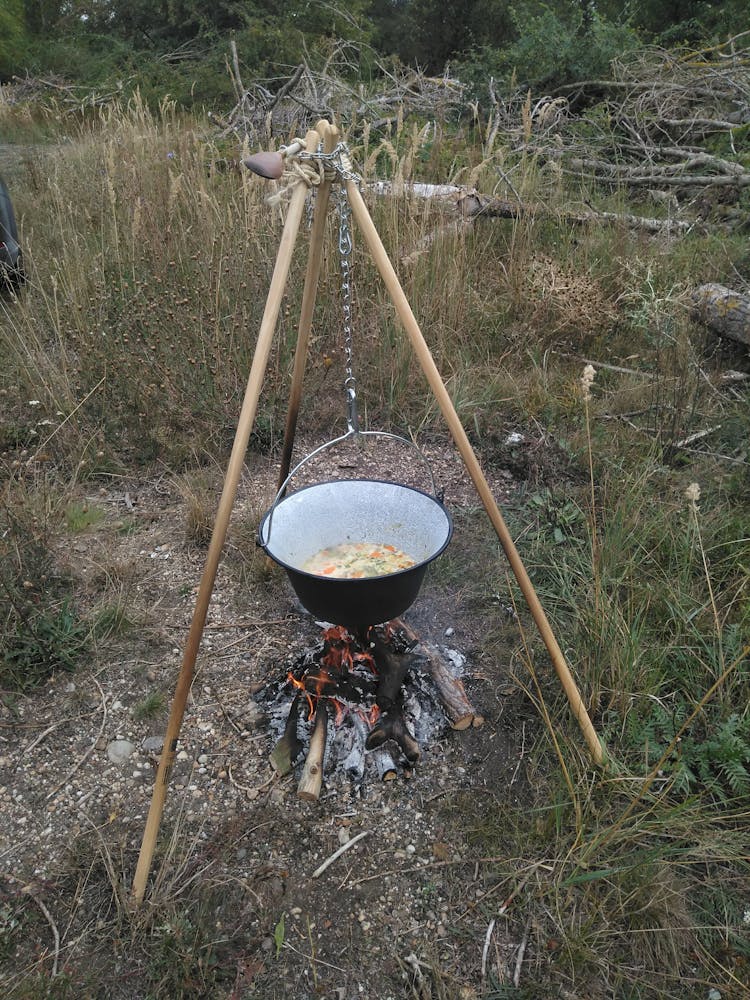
(550, 50)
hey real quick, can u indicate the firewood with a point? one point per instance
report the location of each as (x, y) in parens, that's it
(311, 780)
(452, 693)
(353, 688)
(385, 765)
(450, 689)
(390, 725)
(286, 752)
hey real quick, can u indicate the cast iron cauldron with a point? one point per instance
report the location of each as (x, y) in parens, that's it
(355, 510)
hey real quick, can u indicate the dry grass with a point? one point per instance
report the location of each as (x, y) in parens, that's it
(149, 271)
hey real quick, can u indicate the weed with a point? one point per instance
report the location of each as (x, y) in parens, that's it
(151, 706)
(111, 619)
(41, 628)
(81, 515)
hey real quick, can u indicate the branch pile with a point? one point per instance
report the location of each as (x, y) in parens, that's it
(267, 109)
(657, 124)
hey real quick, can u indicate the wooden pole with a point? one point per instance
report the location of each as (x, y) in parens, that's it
(328, 134)
(234, 469)
(396, 292)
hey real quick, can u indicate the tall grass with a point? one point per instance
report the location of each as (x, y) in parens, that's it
(149, 271)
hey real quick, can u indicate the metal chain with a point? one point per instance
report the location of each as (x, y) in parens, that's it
(345, 252)
(338, 160)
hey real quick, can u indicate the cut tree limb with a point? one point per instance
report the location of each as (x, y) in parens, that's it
(723, 311)
(451, 689)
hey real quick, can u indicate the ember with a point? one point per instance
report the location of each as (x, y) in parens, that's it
(365, 703)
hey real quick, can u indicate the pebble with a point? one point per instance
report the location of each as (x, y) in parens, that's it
(153, 744)
(118, 751)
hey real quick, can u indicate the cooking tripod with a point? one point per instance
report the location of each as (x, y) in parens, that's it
(320, 145)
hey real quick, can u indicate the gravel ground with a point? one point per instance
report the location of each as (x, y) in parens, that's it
(396, 914)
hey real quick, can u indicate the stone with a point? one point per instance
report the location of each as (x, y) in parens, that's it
(118, 751)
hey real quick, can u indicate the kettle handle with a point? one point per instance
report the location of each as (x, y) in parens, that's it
(351, 433)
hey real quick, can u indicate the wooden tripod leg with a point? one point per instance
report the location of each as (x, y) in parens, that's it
(396, 292)
(234, 469)
(306, 312)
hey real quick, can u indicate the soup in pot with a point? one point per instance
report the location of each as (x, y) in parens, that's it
(355, 560)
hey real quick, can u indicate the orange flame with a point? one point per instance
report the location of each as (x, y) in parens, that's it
(301, 687)
(339, 652)
(371, 716)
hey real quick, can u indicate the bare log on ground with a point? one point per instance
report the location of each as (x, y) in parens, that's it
(724, 311)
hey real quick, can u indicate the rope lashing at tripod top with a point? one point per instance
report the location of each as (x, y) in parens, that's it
(313, 168)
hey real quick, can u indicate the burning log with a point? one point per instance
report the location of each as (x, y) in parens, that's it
(286, 752)
(345, 686)
(390, 724)
(451, 690)
(312, 773)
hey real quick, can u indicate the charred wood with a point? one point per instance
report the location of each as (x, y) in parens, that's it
(390, 725)
(385, 765)
(287, 751)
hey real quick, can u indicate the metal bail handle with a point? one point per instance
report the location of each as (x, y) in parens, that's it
(330, 444)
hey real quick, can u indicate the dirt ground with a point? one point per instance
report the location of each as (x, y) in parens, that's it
(402, 913)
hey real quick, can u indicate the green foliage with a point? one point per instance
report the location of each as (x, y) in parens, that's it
(550, 47)
(111, 620)
(714, 764)
(150, 707)
(81, 515)
(40, 628)
(13, 37)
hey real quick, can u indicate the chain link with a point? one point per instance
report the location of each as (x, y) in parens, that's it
(345, 252)
(337, 160)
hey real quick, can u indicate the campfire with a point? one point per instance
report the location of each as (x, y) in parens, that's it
(364, 702)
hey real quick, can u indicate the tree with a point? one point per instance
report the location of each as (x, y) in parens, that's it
(13, 37)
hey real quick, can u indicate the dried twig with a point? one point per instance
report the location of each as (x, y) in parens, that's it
(53, 927)
(486, 948)
(521, 953)
(338, 853)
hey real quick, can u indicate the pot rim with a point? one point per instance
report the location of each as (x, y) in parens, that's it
(264, 544)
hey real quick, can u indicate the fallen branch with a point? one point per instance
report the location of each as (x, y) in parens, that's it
(470, 205)
(724, 311)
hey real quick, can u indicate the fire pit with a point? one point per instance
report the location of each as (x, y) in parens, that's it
(370, 699)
